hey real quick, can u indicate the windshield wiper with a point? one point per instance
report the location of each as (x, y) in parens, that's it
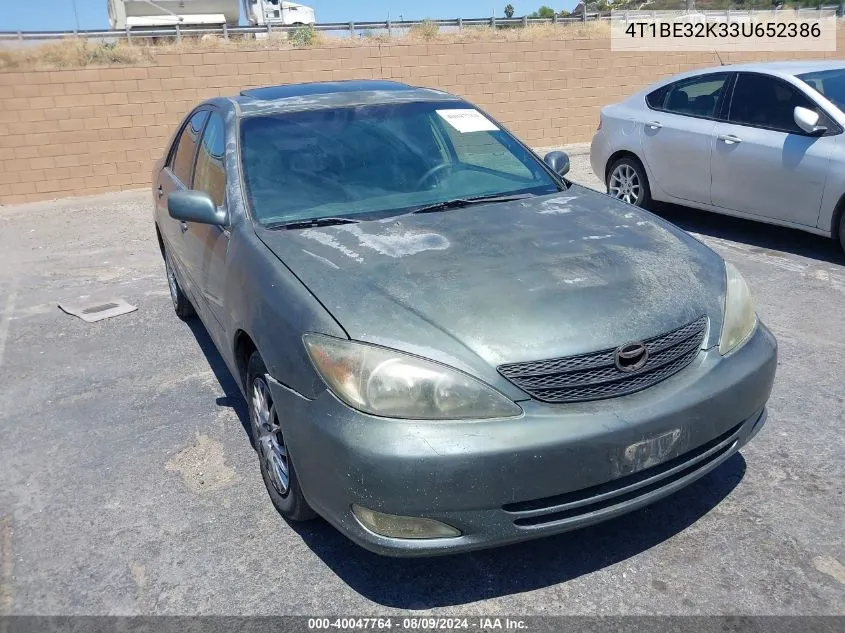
(309, 224)
(459, 203)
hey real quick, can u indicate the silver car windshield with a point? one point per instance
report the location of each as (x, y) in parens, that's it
(379, 160)
(830, 83)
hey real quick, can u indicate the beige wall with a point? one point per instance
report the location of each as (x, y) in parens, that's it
(84, 131)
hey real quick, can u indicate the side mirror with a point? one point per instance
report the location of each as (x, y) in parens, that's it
(194, 206)
(558, 161)
(808, 121)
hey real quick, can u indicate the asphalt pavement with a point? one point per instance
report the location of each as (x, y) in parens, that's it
(129, 485)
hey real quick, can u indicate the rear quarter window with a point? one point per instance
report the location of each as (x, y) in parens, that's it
(656, 99)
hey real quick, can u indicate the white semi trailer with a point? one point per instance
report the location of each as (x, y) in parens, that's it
(134, 14)
(140, 14)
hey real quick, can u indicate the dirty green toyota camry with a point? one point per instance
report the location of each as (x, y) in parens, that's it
(444, 345)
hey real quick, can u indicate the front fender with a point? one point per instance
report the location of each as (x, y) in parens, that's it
(833, 189)
(274, 308)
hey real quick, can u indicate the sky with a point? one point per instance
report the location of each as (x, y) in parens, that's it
(58, 15)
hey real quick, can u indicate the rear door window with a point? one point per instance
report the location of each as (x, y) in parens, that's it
(182, 158)
(698, 96)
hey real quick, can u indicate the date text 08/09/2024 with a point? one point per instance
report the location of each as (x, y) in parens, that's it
(417, 623)
(806, 30)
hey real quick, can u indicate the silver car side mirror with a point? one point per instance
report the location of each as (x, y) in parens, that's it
(558, 161)
(194, 206)
(808, 121)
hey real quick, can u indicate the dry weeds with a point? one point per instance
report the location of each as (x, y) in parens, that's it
(77, 53)
(73, 53)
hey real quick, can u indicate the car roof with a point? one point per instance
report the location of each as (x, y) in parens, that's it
(331, 94)
(791, 68)
(778, 69)
(286, 91)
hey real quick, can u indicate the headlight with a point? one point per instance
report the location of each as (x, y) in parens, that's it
(393, 384)
(740, 318)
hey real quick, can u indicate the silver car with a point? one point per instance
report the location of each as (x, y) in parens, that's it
(759, 141)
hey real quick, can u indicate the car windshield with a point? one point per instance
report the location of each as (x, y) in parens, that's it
(374, 161)
(830, 83)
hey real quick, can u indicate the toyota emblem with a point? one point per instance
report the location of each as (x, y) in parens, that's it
(631, 356)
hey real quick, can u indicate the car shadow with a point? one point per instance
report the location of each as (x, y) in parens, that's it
(233, 397)
(766, 237)
(422, 583)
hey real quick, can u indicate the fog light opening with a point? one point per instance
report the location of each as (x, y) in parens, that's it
(394, 526)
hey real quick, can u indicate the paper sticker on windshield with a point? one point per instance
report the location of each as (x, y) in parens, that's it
(467, 120)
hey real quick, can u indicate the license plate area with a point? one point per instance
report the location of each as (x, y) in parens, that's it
(647, 453)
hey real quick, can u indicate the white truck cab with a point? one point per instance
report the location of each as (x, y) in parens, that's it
(277, 12)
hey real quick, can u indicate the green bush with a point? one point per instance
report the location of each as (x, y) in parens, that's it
(543, 12)
(303, 36)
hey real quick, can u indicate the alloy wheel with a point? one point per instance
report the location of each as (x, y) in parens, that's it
(625, 184)
(268, 436)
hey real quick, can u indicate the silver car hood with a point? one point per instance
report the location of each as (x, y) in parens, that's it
(539, 278)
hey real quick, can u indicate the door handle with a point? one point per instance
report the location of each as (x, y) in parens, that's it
(729, 139)
(160, 191)
(183, 226)
(654, 125)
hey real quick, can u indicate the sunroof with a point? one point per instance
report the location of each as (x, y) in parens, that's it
(320, 88)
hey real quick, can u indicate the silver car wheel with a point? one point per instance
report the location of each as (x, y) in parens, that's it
(171, 281)
(625, 184)
(268, 436)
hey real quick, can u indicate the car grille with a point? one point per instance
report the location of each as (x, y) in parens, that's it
(607, 498)
(595, 376)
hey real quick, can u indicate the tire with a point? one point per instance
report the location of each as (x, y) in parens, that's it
(842, 231)
(181, 303)
(274, 459)
(627, 181)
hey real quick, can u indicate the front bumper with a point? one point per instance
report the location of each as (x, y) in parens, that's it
(556, 468)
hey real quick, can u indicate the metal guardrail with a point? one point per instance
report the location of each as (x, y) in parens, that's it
(352, 28)
(729, 15)
(349, 27)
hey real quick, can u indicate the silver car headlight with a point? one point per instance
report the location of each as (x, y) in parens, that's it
(393, 384)
(740, 318)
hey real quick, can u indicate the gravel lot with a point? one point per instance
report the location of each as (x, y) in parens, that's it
(129, 485)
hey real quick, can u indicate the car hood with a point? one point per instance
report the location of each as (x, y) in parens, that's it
(531, 279)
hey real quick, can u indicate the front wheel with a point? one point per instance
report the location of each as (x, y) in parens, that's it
(626, 181)
(273, 454)
(842, 231)
(181, 303)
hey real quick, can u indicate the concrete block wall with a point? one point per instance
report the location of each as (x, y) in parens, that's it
(93, 130)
